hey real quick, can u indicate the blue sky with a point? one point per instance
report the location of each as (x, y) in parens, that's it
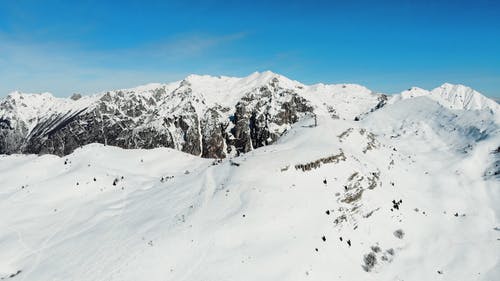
(88, 46)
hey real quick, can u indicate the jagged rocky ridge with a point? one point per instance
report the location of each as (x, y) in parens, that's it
(212, 117)
(180, 115)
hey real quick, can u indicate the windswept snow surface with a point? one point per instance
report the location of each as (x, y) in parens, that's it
(407, 193)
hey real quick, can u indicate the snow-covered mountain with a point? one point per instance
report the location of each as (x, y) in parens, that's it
(295, 182)
(202, 115)
(452, 96)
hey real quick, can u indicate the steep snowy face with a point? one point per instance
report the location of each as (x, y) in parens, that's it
(27, 107)
(462, 97)
(202, 115)
(451, 96)
(21, 113)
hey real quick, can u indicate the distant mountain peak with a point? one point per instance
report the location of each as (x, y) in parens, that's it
(453, 96)
(457, 96)
(21, 95)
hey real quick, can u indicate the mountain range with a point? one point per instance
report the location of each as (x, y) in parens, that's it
(212, 117)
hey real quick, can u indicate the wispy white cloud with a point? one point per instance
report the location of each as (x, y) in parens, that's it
(66, 67)
(193, 45)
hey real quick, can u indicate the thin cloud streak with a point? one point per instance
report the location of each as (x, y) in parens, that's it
(64, 68)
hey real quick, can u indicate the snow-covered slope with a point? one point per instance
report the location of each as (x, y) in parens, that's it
(410, 207)
(410, 191)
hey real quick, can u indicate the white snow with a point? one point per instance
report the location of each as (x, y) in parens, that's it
(257, 217)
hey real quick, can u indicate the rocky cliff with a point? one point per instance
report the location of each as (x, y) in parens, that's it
(212, 117)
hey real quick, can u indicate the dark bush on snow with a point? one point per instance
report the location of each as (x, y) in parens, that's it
(399, 233)
(369, 261)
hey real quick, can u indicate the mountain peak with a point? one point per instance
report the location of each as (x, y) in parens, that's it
(256, 78)
(455, 88)
(266, 77)
(414, 92)
(21, 95)
(453, 96)
(458, 96)
(267, 74)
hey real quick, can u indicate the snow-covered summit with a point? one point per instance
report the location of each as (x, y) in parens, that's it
(414, 92)
(463, 97)
(227, 91)
(453, 96)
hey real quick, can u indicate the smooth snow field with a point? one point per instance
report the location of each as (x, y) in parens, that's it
(407, 193)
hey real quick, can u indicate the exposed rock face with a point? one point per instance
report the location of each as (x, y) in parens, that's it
(182, 115)
(263, 115)
(11, 135)
(214, 134)
(381, 102)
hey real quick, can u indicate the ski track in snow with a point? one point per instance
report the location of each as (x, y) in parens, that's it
(40, 250)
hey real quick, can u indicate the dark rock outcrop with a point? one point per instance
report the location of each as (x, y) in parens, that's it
(179, 119)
